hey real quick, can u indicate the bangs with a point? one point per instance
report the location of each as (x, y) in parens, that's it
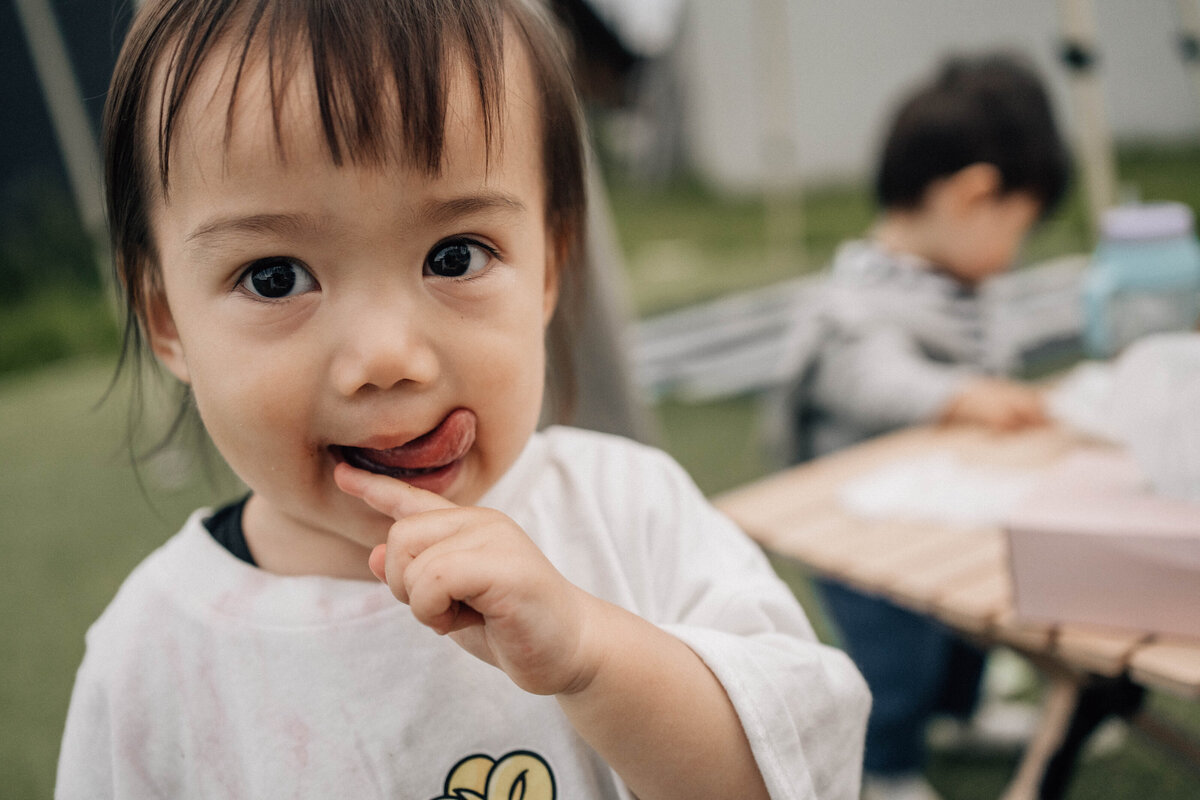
(380, 71)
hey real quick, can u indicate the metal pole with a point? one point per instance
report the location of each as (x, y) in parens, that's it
(72, 128)
(1095, 147)
(783, 207)
(1189, 40)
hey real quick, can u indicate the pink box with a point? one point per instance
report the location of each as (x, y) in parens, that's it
(1094, 545)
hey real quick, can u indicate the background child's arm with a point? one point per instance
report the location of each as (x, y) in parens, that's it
(996, 403)
(641, 697)
(879, 379)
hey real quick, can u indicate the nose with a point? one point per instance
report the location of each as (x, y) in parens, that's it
(381, 345)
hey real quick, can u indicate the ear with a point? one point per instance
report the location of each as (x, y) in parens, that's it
(974, 184)
(163, 335)
(556, 258)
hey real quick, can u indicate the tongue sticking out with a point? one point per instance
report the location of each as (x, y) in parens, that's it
(443, 445)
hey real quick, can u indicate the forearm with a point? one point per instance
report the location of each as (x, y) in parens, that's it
(883, 381)
(658, 716)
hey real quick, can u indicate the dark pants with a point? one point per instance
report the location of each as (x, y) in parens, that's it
(915, 667)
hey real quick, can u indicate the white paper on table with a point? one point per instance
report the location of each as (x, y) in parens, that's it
(939, 487)
(1147, 400)
(1083, 401)
(1156, 399)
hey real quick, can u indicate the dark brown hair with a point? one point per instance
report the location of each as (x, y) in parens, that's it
(989, 108)
(358, 52)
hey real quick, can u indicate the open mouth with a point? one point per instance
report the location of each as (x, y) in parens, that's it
(429, 455)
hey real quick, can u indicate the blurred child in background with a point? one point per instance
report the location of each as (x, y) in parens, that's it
(972, 160)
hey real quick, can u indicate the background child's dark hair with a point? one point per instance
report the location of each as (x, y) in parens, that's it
(361, 56)
(987, 109)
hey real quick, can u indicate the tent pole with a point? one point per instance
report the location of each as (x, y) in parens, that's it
(1189, 40)
(1094, 139)
(782, 191)
(73, 130)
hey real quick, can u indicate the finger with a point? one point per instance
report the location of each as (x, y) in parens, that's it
(442, 587)
(387, 495)
(456, 617)
(377, 562)
(413, 536)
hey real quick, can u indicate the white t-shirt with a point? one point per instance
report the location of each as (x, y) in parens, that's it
(208, 677)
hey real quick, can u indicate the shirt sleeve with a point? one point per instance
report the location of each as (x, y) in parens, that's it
(802, 704)
(879, 379)
(85, 756)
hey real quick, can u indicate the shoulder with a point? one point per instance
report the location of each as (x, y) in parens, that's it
(189, 561)
(155, 571)
(594, 492)
(864, 262)
(129, 652)
(871, 289)
(153, 589)
(631, 492)
(597, 453)
(610, 469)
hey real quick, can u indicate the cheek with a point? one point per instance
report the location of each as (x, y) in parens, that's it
(250, 404)
(506, 378)
(1007, 249)
(511, 368)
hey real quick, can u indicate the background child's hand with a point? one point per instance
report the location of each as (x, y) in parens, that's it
(474, 573)
(996, 403)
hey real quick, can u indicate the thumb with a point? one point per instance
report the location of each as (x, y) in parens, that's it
(387, 495)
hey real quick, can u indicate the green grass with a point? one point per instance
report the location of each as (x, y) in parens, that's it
(54, 325)
(683, 244)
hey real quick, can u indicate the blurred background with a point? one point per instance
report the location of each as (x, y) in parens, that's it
(733, 145)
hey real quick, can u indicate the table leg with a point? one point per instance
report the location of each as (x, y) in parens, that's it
(1058, 707)
(1076, 704)
(1099, 698)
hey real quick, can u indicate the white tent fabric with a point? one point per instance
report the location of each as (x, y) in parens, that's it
(647, 27)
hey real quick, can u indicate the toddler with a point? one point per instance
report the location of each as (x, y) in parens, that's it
(343, 227)
(972, 160)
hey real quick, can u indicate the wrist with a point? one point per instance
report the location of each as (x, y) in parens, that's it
(592, 645)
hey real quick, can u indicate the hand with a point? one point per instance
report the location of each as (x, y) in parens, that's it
(474, 574)
(998, 404)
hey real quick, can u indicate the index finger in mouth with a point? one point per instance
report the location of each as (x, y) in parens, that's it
(387, 495)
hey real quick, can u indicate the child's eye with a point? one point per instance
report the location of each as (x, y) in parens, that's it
(276, 278)
(458, 258)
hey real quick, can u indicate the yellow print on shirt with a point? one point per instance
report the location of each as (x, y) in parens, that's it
(519, 775)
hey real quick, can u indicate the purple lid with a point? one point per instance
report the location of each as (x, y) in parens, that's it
(1147, 221)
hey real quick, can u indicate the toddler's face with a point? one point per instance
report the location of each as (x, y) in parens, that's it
(377, 315)
(986, 239)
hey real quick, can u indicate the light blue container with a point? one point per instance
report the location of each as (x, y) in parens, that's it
(1144, 276)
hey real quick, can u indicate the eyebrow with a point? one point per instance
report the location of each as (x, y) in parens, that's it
(293, 224)
(255, 224)
(459, 207)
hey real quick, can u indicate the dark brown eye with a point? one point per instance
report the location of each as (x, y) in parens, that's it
(458, 258)
(277, 278)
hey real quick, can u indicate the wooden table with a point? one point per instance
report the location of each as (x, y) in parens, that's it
(959, 574)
